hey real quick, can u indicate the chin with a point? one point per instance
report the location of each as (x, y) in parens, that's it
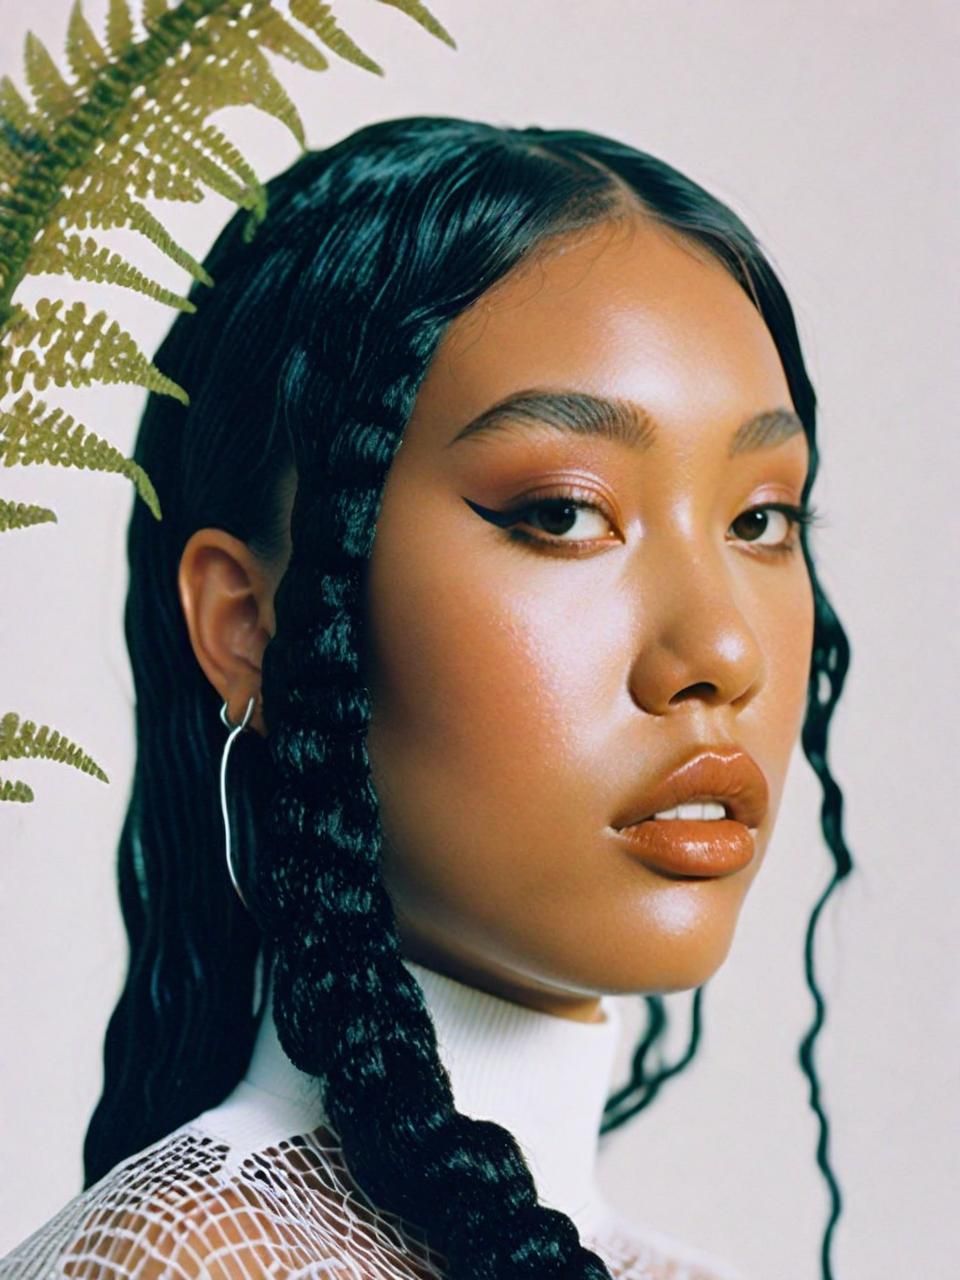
(675, 963)
(688, 980)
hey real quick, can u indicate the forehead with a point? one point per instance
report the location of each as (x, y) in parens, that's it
(626, 308)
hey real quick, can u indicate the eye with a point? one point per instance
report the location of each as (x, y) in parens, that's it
(756, 523)
(560, 516)
(557, 516)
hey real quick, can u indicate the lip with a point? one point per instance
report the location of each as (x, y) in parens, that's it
(690, 847)
(694, 850)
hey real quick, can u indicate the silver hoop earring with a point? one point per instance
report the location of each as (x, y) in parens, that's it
(235, 729)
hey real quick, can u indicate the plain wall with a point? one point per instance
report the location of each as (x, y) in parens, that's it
(825, 126)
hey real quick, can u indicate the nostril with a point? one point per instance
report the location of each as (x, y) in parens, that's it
(704, 689)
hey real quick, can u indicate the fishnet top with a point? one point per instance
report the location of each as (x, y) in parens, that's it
(256, 1187)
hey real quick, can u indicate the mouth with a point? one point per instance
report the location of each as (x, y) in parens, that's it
(701, 818)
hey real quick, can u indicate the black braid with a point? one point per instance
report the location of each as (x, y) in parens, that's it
(347, 1010)
(307, 358)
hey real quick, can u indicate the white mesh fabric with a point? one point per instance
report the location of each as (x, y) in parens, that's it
(183, 1208)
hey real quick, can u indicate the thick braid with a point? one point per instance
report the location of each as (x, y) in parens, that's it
(347, 1010)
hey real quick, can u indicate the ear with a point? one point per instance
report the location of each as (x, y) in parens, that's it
(227, 595)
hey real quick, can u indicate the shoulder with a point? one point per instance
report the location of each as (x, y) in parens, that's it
(182, 1211)
(636, 1251)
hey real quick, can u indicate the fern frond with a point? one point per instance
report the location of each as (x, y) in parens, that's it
(421, 14)
(86, 55)
(17, 791)
(153, 11)
(119, 28)
(139, 218)
(53, 95)
(167, 133)
(29, 434)
(124, 211)
(114, 356)
(317, 16)
(11, 164)
(115, 130)
(128, 213)
(222, 149)
(22, 515)
(184, 118)
(227, 69)
(86, 260)
(15, 111)
(29, 742)
(276, 34)
(142, 174)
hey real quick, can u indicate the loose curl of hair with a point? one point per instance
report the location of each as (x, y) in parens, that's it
(303, 364)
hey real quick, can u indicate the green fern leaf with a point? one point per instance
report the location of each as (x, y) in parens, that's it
(53, 95)
(12, 162)
(22, 515)
(71, 338)
(14, 109)
(421, 14)
(86, 55)
(129, 213)
(140, 173)
(235, 72)
(17, 791)
(153, 11)
(184, 155)
(276, 34)
(184, 117)
(220, 146)
(86, 260)
(42, 744)
(119, 27)
(29, 434)
(317, 16)
(139, 218)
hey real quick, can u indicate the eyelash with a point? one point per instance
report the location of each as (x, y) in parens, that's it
(801, 517)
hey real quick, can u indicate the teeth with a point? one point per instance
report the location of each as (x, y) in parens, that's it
(705, 810)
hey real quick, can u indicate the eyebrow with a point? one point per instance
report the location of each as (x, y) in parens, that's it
(619, 420)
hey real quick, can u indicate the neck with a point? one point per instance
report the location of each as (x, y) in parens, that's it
(543, 1077)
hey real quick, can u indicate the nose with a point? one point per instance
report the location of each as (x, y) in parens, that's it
(694, 637)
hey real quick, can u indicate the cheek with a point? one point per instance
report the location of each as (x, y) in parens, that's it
(482, 665)
(471, 669)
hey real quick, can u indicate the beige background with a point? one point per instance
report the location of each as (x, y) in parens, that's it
(825, 125)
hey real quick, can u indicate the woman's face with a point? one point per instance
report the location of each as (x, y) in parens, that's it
(532, 684)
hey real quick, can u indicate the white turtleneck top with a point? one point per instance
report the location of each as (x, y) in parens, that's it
(258, 1185)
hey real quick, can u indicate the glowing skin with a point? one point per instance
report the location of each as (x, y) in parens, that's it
(523, 695)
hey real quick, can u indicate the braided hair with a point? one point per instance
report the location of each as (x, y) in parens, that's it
(303, 364)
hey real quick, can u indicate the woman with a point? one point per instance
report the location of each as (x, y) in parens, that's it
(563, 387)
